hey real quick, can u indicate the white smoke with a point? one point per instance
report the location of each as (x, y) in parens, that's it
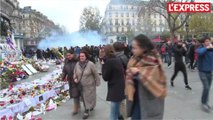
(72, 39)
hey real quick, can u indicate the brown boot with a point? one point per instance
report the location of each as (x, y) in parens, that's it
(75, 109)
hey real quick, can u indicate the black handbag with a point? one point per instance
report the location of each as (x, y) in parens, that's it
(75, 91)
(129, 107)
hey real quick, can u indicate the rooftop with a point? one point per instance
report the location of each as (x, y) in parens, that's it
(127, 2)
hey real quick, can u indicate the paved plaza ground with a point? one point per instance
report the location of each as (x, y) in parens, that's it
(181, 104)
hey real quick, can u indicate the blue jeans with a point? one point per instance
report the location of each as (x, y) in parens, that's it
(115, 110)
(168, 59)
(206, 79)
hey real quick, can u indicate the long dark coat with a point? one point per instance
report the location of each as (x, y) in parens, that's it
(113, 73)
(68, 71)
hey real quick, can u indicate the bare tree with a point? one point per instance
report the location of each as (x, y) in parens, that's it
(174, 20)
(147, 24)
(90, 19)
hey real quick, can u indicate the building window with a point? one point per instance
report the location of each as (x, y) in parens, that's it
(127, 22)
(161, 22)
(133, 14)
(122, 29)
(133, 22)
(32, 42)
(132, 7)
(117, 29)
(111, 30)
(116, 21)
(126, 7)
(110, 22)
(122, 14)
(122, 22)
(110, 7)
(116, 14)
(138, 20)
(110, 14)
(127, 14)
(121, 7)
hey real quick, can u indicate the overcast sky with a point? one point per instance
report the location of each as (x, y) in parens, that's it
(67, 12)
(64, 12)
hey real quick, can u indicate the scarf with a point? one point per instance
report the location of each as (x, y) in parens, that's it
(151, 75)
(83, 64)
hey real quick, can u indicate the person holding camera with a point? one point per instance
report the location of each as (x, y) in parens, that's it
(179, 52)
(205, 67)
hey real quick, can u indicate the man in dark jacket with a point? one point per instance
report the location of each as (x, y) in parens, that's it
(179, 52)
(169, 51)
(205, 68)
(127, 51)
(191, 55)
(67, 74)
(39, 54)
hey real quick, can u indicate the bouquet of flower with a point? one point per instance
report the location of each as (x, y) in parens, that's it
(58, 54)
(4, 83)
(40, 67)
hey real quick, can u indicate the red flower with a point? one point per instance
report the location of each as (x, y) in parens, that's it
(11, 101)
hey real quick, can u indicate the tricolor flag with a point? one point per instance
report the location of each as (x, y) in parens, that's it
(10, 43)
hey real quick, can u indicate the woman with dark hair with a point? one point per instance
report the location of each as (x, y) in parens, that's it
(67, 74)
(86, 74)
(89, 53)
(119, 53)
(145, 81)
(113, 73)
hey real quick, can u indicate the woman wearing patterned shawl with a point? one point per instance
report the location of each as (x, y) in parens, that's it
(145, 81)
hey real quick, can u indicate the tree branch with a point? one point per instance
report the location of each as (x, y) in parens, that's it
(186, 18)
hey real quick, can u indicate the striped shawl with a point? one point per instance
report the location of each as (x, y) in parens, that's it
(151, 75)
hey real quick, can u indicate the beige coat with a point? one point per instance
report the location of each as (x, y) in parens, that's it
(89, 81)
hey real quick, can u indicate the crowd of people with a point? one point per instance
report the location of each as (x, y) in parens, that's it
(133, 73)
(51, 53)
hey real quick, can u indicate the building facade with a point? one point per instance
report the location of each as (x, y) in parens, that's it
(27, 25)
(35, 26)
(124, 16)
(6, 11)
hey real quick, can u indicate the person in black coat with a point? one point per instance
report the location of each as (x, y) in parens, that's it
(191, 55)
(38, 54)
(179, 52)
(113, 73)
(67, 74)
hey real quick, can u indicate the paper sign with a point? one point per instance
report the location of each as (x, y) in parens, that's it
(26, 69)
(27, 102)
(31, 68)
(28, 116)
(3, 55)
(57, 90)
(19, 117)
(66, 87)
